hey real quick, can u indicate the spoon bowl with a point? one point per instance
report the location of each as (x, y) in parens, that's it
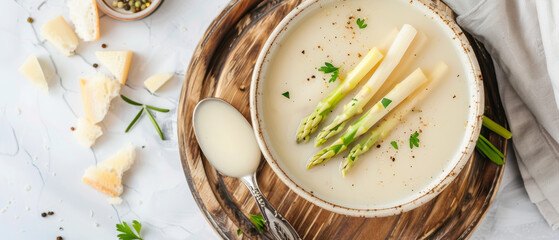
(228, 142)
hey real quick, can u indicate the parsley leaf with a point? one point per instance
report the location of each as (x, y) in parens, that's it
(258, 221)
(239, 232)
(394, 144)
(385, 102)
(414, 141)
(360, 23)
(329, 68)
(286, 94)
(127, 233)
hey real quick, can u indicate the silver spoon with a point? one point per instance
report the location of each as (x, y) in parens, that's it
(228, 142)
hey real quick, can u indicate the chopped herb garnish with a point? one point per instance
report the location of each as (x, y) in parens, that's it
(496, 128)
(286, 94)
(329, 68)
(414, 141)
(354, 99)
(385, 102)
(239, 232)
(488, 150)
(127, 233)
(361, 23)
(146, 109)
(394, 144)
(258, 221)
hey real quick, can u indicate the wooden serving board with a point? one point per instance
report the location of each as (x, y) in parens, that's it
(222, 67)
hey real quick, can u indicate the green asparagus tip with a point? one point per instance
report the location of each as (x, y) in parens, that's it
(319, 141)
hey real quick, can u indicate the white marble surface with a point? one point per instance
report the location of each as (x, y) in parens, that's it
(37, 149)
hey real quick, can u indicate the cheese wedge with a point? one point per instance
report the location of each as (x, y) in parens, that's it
(156, 81)
(106, 177)
(87, 133)
(118, 62)
(31, 69)
(58, 33)
(84, 15)
(97, 92)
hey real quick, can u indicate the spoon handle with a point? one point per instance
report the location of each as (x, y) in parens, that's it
(276, 224)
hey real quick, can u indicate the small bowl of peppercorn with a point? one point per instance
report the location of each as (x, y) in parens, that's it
(128, 10)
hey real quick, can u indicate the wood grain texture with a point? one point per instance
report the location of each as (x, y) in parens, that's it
(222, 67)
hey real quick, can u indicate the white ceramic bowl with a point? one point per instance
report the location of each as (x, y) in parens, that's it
(472, 129)
(107, 7)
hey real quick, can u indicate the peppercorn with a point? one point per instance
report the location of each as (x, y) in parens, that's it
(104, 45)
(44, 214)
(59, 238)
(95, 65)
(30, 20)
(50, 213)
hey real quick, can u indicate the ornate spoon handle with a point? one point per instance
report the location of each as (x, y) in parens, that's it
(275, 223)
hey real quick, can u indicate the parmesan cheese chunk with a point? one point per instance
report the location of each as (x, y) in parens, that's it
(87, 133)
(156, 81)
(97, 93)
(118, 62)
(106, 177)
(31, 69)
(84, 16)
(58, 33)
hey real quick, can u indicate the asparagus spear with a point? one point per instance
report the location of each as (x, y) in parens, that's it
(379, 110)
(393, 57)
(394, 118)
(310, 123)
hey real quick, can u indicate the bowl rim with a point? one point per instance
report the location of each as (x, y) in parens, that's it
(105, 7)
(472, 69)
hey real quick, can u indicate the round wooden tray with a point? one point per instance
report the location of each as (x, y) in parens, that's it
(222, 67)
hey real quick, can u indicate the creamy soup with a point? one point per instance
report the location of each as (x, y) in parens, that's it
(384, 176)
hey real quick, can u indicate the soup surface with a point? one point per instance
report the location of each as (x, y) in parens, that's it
(384, 176)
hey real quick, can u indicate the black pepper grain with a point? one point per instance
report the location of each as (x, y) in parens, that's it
(50, 213)
(95, 65)
(104, 45)
(378, 146)
(59, 238)
(30, 20)
(43, 214)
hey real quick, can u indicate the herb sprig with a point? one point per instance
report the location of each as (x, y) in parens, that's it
(145, 108)
(258, 221)
(361, 23)
(329, 68)
(128, 233)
